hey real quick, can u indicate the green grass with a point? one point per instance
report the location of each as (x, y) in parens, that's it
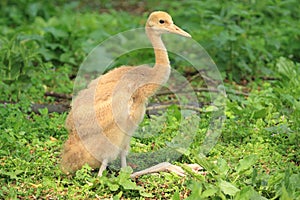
(256, 48)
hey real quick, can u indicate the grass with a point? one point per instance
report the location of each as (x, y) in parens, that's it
(255, 46)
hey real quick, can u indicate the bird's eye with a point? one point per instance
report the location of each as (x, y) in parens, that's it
(161, 21)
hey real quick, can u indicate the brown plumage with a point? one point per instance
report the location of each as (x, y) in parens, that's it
(105, 115)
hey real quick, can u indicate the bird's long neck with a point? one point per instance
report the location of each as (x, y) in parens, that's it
(161, 54)
(162, 66)
(159, 74)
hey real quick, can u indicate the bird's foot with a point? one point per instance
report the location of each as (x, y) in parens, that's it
(167, 167)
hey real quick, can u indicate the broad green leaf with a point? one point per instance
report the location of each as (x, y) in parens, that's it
(126, 171)
(209, 192)
(67, 58)
(12, 174)
(47, 54)
(129, 185)
(295, 181)
(175, 111)
(285, 195)
(211, 108)
(203, 162)
(246, 163)
(228, 188)
(223, 166)
(286, 67)
(249, 193)
(196, 189)
(176, 196)
(146, 194)
(236, 29)
(261, 113)
(118, 196)
(125, 181)
(57, 33)
(112, 187)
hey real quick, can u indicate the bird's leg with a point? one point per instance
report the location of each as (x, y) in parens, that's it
(123, 158)
(103, 167)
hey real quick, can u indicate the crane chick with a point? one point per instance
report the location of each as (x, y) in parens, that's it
(105, 114)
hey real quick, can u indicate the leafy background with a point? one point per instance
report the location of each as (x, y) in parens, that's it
(256, 46)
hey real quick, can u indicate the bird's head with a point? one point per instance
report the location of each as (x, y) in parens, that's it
(161, 22)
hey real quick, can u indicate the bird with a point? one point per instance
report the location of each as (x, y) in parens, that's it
(104, 116)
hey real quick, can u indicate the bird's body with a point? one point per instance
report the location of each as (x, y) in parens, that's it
(105, 115)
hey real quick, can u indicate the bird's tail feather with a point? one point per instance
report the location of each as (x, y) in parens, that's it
(75, 155)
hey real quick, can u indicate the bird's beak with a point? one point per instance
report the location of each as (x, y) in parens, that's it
(175, 29)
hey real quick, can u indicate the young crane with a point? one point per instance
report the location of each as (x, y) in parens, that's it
(105, 115)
